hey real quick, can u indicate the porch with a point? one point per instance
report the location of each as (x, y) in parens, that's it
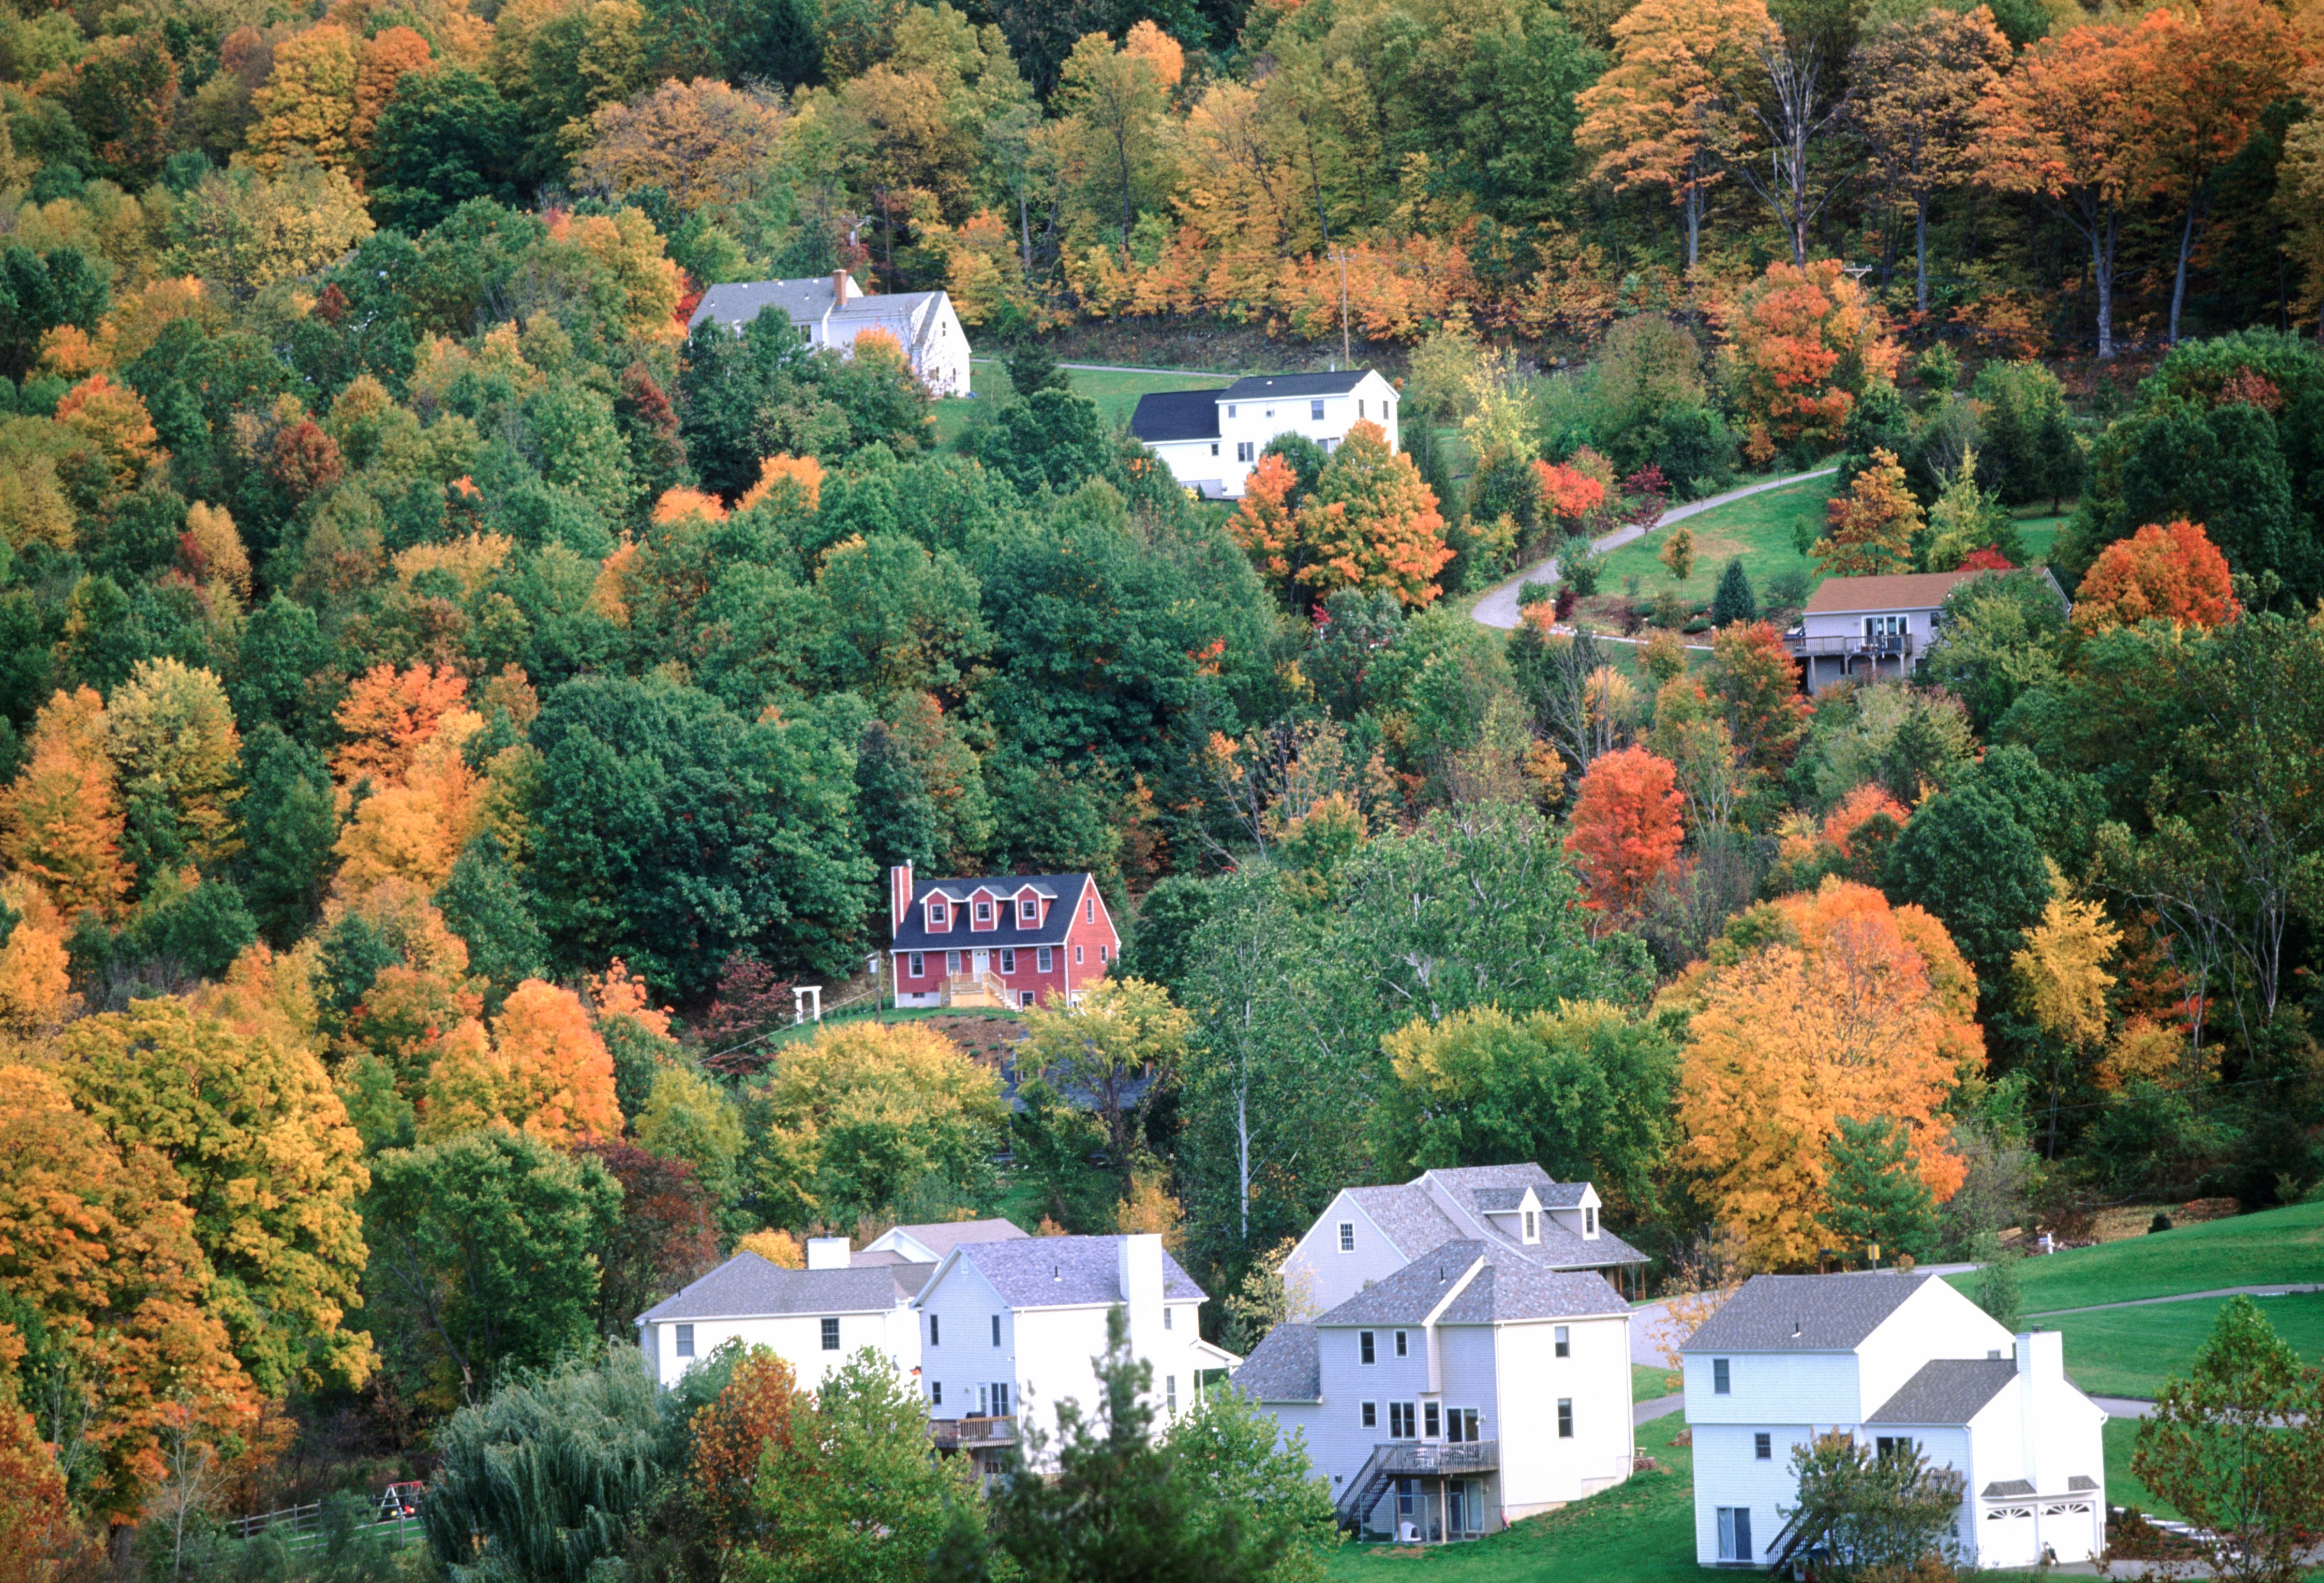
(1430, 1492)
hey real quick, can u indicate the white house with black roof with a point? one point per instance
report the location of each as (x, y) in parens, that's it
(1470, 1388)
(831, 310)
(1367, 1234)
(1211, 439)
(1016, 1327)
(1903, 1361)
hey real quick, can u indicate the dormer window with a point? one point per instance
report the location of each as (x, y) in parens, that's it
(1589, 1221)
(1532, 1230)
(1028, 911)
(937, 914)
(983, 912)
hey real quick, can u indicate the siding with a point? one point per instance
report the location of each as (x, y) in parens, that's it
(1335, 1276)
(796, 1338)
(1538, 1470)
(1775, 1387)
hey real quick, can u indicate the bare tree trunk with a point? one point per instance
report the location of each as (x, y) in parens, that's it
(1921, 252)
(2195, 214)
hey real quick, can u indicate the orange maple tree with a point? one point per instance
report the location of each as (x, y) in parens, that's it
(1626, 828)
(60, 821)
(1372, 523)
(1857, 809)
(387, 714)
(1756, 683)
(1807, 341)
(1868, 531)
(2173, 573)
(732, 1435)
(1566, 494)
(1267, 523)
(542, 1069)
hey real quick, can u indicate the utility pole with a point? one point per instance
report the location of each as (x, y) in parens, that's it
(1341, 254)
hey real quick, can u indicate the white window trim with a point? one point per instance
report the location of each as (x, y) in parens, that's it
(1347, 1237)
(919, 964)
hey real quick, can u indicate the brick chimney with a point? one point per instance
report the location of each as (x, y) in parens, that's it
(839, 288)
(900, 896)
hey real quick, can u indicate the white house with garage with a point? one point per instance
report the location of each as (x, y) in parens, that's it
(816, 1318)
(1367, 1234)
(1470, 1387)
(831, 310)
(1014, 1328)
(1211, 440)
(1906, 1362)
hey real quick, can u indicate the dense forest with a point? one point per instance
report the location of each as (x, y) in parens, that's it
(445, 704)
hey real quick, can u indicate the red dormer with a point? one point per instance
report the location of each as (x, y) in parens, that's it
(940, 911)
(983, 910)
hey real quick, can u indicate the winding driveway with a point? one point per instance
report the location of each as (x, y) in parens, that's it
(1498, 608)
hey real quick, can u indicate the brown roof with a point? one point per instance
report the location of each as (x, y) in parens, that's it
(1909, 591)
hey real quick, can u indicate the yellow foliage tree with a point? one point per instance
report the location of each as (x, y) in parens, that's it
(799, 476)
(379, 66)
(704, 143)
(778, 1247)
(1869, 529)
(416, 827)
(212, 550)
(61, 822)
(543, 1069)
(1851, 1008)
(2061, 971)
(177, 751)
(307, 104)
(35, 982)
(119, 446)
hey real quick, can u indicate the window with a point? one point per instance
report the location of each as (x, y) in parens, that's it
(1170, 1393)
(685, 1340)
(984, 1401)
(1531, 1234)
(1347, 1237)
(1734, 1534)
(983, 912)
(1885, 626)
(1461, 1425)
(1041, 958)
(1315, 411)
(1028, 911)
(1364, 1346)
(1078, 956)
(1565, 1418)
(1590, 1222)
(831, 1335)
(1230, 409)
(1088, 909)
(1000, 1398)
(1214, 447)
(1429, 1423)
(1763, 1447)
(936, 918)
(1360, 406)
(1892, 1445)
(1101, 954)
(1270, 411)
(1007, 959)
(1718, 1376)
(1166, 1318)
(1025, 998)
(1367, 1414)
(1564, 1334)
(1242, 450)
(951, 963)
(1400, 1351)
(996, 1330)
(919, 965)
(935, 1329)
(936, 1392)
(1400, 1420)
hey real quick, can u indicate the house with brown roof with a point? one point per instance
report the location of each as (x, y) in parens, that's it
(1864, 627)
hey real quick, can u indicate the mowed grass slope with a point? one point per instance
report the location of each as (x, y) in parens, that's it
(1759, 528)
(2283, 1245)
(1116, 394)
(2132, 1351)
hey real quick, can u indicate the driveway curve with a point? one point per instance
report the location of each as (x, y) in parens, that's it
(1498, 608)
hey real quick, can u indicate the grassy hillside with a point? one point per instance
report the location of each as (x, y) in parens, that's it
(2279, 1245)
(2131, 1351)
(1116, 394)
(1758, 529)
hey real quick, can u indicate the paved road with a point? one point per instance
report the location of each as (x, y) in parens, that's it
(1117, 368)
(1500, 607)
(1660, 1407)
(2278, 1289)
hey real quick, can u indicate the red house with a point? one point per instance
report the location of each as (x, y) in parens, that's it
(1007, 940)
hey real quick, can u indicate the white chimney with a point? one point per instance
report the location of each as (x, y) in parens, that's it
(2042, 1354)
(828, 1253)
(1138, 1260)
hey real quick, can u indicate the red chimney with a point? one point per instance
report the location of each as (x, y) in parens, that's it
(900, 896)
(839, 288)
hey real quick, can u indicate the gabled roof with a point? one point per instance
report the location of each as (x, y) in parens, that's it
(739, 302)
(1061, 1272)
(941, 1236)
(864, 305)
(1414, 1221)
(1256, 387)
(1162, 415)
(1405, 1216)
(747, 1287)
(1803, 1313)
(1947, 1390)
(1286, 1366)
(1508, 1287)
(1868, 595)
(914, 933)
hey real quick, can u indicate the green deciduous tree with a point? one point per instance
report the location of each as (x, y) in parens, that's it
(1115, 1048)
(1867, 1512)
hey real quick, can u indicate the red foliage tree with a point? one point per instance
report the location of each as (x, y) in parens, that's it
(1625, 828)
(305, 459)
(664, 1238)
(1756, 683)
(2173, 573)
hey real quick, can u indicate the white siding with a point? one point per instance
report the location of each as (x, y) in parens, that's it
(1332, 1276)
(964, 1303)
(1729, 1473)
(796, 1338)
(1773, 1387)
(1538, 1470)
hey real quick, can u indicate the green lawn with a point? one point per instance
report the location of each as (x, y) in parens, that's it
(1649, 1383)
(2131, 1351)
(2039, 534)
(1116, 394)
(2279, 1244)
(1758, 529)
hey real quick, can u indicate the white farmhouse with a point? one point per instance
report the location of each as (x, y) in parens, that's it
(831, 310)
(1903, 1361)
(814, 1318)
(1467, 1390)
(1210, 439)
(1017, 1327)
(1367, 1234)
(1864, 627)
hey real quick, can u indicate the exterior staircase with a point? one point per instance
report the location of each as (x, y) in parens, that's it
(1412, 1460)
(977, 990)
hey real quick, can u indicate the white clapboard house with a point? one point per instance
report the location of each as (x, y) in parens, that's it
(1210, 439)
(1902, 1361)
(831, 310)
(1864, 629)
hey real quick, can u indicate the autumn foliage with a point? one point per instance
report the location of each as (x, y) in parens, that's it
(2173, 573)
(1869, 529)
(1566, 495)
(542, 1069)
(1806, 342)
(1813, 1007)
(1627, 829)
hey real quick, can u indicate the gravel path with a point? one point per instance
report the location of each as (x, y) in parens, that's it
(2279, 1289)
(1498, 608)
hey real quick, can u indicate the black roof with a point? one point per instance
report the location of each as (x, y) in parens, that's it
(1177, 415)
(1252, 387)
(1057, 918)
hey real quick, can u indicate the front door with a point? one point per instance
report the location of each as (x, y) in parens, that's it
(982, 961)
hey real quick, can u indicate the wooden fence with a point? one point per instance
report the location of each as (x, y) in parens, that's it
(302, 1528)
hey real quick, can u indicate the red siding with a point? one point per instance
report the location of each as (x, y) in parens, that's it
(1090, 936)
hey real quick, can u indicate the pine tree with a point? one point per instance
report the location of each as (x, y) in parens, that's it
(1877, 1199)
(1734, 602)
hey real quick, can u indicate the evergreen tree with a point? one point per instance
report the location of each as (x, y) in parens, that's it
(484, 906)
(1997, 1289)
(1875, 1191)
(1034, 367)
(1734, 601)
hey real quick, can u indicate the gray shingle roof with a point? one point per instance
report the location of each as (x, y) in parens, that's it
(941, 1236)
(2081, 1481)
(747, 1286)
(1286, 1366)
(2001, 1488)
(1051, 1272)
(1562, 1195)
(1415, 1223)
(1508, 1288)
(914, 933)
(1499, 1198)
(1803, 1313)
(1405, 1215)
(1256, 387)
(741, 301)
(1946, 1390)
(1176, 415)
